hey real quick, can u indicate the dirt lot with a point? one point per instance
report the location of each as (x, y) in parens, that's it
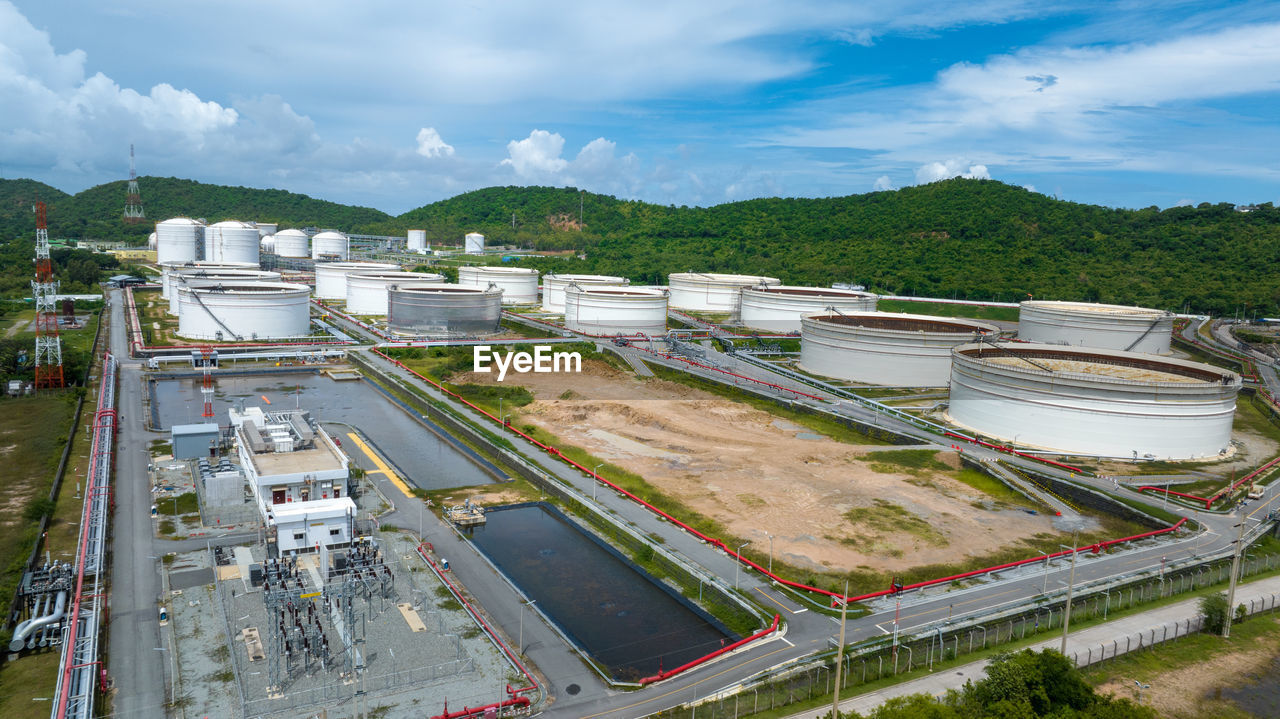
(829, 505)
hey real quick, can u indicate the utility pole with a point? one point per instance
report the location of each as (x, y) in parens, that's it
(844, 608)
(1071, 585)
(1231, 588)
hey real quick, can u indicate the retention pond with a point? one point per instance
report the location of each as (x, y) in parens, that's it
(626, 620)
(426, 458)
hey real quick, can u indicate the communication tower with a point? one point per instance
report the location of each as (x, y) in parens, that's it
(45, 291)
(133, 213)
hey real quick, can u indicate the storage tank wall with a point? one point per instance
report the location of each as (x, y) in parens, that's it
(553, 287)
(179, 240)
(331, 277)
(1082, 324)
(711, 292)
(778, 309)
(367, 291)
(261, 311)
(616, 311)
(444, 310)
(893, 349)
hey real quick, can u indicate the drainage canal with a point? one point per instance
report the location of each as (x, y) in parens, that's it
(625, 619)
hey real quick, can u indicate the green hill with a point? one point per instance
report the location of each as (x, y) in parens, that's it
(959, 238)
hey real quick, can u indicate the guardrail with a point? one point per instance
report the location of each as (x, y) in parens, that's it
(1221, 493)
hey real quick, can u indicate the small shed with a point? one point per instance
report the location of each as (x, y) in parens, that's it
(193, 440)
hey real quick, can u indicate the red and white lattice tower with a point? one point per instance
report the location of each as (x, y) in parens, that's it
(45, 291)
(206, 381)
(133, 213)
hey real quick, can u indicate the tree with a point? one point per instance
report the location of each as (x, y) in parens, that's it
(1214, 609)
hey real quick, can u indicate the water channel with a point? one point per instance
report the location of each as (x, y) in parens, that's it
(624, 618)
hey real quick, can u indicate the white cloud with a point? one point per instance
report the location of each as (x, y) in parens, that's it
(882, 183)
(1184, 202)
(430, 144)
(935, 171)
(536, 155)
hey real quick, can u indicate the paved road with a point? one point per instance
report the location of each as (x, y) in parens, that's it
(134, 664)
(1078, 643)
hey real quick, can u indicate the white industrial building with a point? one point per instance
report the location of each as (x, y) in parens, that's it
(778, 308)
(367, 291)
(1086, 324)
(244, 311)
(885, 348)
(596, 310)
(1094, 402)
(711, 292)
(519, 285)
(298, 477)
(553, 287)
(331, 277)
(416, 241)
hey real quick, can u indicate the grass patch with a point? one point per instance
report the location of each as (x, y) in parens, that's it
(944, 309)
(991, 486)
(167, 527)
(888, 518)
(913, 461)
(185, 503)
(524, 330)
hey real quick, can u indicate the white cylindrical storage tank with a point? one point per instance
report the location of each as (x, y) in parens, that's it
(293, 243)
(778, 308)
(474, 244)
(267, 244)
(151, 241)
(198, 276)
(417, 241)
(443, 310)
(169, 269)
(886, 348)
(519, 285)
(711, 292)
(331, 277)
(553, 287)
(367, 291)
(331, 246)
(180, 239)
(247, 310)
(598, 310)
(1089, 401)
(231, 241)
(1087, 324)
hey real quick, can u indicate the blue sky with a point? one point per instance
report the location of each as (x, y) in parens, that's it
(394, 105)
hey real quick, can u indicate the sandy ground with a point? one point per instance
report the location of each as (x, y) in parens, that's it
(1193, 691)
(760, 475)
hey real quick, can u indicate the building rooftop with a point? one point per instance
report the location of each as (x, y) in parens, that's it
(180, 430)
(285, 442)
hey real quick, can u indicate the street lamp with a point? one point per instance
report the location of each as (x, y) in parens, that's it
(771, 556)
(1044, 587)
(529, 603)
(844, 607)
(738, 563)
(596, 483)
(1235, 573)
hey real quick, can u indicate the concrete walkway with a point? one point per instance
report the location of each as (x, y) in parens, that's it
(1092, 644)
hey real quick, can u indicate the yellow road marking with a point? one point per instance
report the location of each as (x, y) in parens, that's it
(382, 467)
(674, 691)
(768, 596)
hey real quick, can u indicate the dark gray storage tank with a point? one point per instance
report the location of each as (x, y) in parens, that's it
(443, 310)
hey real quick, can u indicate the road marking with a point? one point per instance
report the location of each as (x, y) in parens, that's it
(770, 597)
(264, 398)
(675, 691)
(382, 466)
(788, 642)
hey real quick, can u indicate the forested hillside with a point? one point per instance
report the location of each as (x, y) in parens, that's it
(958, 238)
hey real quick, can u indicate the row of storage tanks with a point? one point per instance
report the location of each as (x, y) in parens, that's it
(1083, 378)
(182, 239)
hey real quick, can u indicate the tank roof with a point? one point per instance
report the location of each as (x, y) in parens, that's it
(443, 289)
(180, 221)
(723, 277)
(810, 291)
(1096, 363)
(501, 270)
(259, 288)
(234, 223)
(1093, 307)
(291, 232)
(903, 322)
